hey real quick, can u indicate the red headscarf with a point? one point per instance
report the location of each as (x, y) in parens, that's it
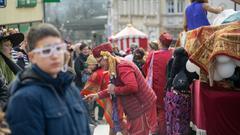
(102, 47)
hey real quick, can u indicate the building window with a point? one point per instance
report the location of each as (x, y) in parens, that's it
(121, 7)
(141, 7)
(24, 27)
(170, 6)
(175, 6)
(135, 7)
(124, 8)
(129, 7)
(26, 3)
(3, 3)
(155, 7)
(146, 7)
(180, 6)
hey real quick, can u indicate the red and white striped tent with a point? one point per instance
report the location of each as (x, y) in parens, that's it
(127, 36)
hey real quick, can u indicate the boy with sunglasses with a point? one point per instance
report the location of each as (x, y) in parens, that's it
(44, 100)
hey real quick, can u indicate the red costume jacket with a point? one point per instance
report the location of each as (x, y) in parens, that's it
(135, 95)
(159, 79)
(101, 78)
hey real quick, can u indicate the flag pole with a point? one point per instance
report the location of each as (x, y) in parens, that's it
(44, 11)
(235, 6)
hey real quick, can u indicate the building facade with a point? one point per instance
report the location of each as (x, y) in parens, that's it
(79, 20)
(152, 16)
(142, 14)
(21, 14)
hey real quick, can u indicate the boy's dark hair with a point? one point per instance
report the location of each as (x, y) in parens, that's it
(83, 45)
(200, 1)
(41, 31)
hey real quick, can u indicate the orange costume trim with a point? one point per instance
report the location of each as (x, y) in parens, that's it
(98, 81)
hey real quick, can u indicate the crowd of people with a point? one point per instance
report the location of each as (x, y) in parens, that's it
(49, 77)
(48, 86)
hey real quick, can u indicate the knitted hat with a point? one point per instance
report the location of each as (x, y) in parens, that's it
(91, 60)
(166, 39)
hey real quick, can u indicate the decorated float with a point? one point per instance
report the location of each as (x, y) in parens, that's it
(214, 54)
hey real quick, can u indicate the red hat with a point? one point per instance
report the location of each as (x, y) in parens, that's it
(166, 39)
(102, 47)
(128, 51)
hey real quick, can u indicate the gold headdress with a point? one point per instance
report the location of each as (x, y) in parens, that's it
(112, 63)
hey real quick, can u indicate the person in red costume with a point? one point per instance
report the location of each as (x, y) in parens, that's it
(99, 81)
(155, 71)
(129, 86)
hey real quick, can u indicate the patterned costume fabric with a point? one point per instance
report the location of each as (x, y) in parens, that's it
(204, 43)
(222, 42)
(196, 38)
(178, 113)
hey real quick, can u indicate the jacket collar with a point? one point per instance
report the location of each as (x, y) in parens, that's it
(35, 76)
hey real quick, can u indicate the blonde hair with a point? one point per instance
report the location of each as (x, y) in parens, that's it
(112, 63)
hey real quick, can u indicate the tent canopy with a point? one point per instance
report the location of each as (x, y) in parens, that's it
(128, 32)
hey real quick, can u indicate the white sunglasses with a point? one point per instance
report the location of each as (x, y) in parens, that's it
(51, 49)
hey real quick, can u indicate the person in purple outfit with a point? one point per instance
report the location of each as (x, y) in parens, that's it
(196, 14)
